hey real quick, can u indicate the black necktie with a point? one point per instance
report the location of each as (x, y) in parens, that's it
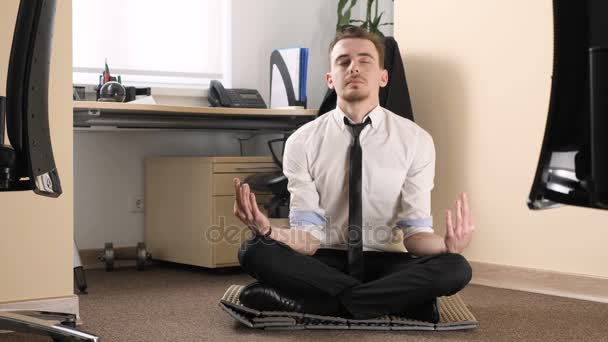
(355, 210)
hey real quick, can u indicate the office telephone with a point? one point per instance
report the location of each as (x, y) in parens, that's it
(235, 98)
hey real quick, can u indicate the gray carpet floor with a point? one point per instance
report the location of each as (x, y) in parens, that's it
(169, 302)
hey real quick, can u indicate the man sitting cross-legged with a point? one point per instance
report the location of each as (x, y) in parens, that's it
(360, 242)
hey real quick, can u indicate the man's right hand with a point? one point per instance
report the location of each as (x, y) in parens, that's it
(246, 209)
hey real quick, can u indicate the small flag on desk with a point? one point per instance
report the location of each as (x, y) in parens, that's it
(106, 77)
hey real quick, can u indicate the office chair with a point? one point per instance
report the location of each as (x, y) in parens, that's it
(28, 163)
(394, 97)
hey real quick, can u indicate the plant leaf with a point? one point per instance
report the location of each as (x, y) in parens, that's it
(339, 9)
(376, 11)
(347, 15)
(377, 19)
(343, 22)
(344, 15)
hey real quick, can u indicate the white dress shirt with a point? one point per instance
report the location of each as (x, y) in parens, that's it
(397, 178)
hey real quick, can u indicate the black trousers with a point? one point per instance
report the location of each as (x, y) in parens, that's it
(393, 283)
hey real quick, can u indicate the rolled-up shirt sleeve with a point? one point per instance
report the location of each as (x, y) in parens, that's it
(415, 213)
(304, 210)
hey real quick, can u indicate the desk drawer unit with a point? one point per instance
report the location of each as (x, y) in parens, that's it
(189, 208)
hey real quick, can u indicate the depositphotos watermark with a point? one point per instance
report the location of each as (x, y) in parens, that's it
(235, 234)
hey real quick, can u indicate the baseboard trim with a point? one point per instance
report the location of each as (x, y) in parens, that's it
(68, 304)
(540, 281)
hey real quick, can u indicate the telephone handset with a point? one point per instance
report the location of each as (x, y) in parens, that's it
(235, 98)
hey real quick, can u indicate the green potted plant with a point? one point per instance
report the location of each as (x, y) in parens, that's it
(372, 22)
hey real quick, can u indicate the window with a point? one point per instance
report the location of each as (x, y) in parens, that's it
(176, 46)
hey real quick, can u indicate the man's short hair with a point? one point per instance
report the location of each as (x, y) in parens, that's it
(350, 31)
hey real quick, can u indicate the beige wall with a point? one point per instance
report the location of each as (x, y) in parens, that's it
(479, 74)
(36, 233)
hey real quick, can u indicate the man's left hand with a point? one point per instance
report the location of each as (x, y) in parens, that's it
(458, 235)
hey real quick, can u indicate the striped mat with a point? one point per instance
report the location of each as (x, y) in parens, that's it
(454, 315)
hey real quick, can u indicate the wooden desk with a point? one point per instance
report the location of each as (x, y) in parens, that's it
(188, 199)
(91, 114)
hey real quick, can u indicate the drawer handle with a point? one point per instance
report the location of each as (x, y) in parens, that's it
(271, 168)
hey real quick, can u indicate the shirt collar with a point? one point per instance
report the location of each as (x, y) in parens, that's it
(376, 114)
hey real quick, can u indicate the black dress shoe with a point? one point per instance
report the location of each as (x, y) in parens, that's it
(428, 312)
(265, 298)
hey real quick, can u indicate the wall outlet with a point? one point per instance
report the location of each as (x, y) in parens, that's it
(136, 204)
